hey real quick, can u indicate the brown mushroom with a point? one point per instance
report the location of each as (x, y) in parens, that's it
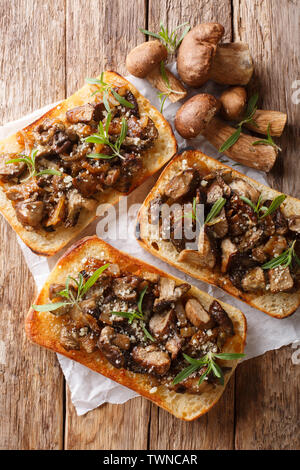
(197, 315)
(198, 116)
(200, 59)
(111, 351)
(152, 359)
(144, 62)
(234, 102)
(294, 223)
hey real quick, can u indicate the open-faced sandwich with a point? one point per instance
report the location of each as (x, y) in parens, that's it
(248, 242)
(93, 147)
(139, 326)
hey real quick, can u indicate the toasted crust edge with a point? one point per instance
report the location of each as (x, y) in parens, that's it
(184, 406)
(291, 205)
(47, 244)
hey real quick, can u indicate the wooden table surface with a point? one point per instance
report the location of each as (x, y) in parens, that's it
(48, 47)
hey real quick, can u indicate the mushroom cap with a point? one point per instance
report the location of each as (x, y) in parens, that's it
(196, 53)
(233, 101)
(144, 57)
(195, 114)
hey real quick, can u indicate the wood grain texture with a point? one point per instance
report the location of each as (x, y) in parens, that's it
(271, 27)
(32, 74)
(266, 387)
(267, 402)
(108, 31)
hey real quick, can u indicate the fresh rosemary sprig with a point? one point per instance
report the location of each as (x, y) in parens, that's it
(164, 95)
(206, 361)
(268, 141)
(106, 88)
(251, 110)
(137, 315)
(258, 208)
(169, 39)
(102, 137)
(30, 162)
(284, 260)
(215, 210)
(82, 288)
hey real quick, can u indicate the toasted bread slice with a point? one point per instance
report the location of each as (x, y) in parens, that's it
(49, 243)
(44, 328)
(278, 305)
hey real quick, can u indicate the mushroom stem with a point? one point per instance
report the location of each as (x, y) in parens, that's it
(262, 118)
(232, 64)
(260, 157)
(156, 80)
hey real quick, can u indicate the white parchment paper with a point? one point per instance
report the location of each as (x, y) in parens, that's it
(90, 389)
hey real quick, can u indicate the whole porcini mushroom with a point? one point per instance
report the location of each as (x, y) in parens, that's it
(234, 101)
(196, 52)
(144, 61)
(201, 58)
(197, 116)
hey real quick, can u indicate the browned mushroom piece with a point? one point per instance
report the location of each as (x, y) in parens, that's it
(180, 184)
(243, 188)
(9, 171)
(275, 246)
(85, 113)
(112, 352)
(205, 250)
(174, 345)
(228, 248)
(218, 314)
(169, 293)
(153, 359)
(144, 62)
(280, 279)
(160, 324)
(69, 339)
(294, 223)
(197, 315)
(29, 213)
(254, 280)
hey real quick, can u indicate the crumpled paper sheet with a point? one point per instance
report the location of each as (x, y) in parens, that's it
(90, 389)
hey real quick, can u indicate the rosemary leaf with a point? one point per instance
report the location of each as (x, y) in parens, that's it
(215, 210)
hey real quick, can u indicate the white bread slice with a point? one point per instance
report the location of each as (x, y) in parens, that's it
(278, 305)
(44, 328)
(49, 243)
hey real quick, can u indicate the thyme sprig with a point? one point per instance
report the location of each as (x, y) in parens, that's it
(169, 39)
(102, 137)
(258, 208)
(137, 315)
(206, 361)
(164, 94)
(268, 140)
(67, 293)
(250, 111)
(30, 162)
(284, 260)
(105, 89)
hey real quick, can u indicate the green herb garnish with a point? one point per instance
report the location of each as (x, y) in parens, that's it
(105, 88)
(170, 40)
(284, 260)
(268, 141)
(82, 288)
(251, 110)
(163, 95)
(102, 137)
(258, 208)
(206, 361)
(137, 315)
(215, 210)
(30, 162)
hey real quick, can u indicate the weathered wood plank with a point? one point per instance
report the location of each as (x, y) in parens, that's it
(32, 74)
(267, 402)
(267, 392)
(215, 430)
(97, 40)
(272, 30)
